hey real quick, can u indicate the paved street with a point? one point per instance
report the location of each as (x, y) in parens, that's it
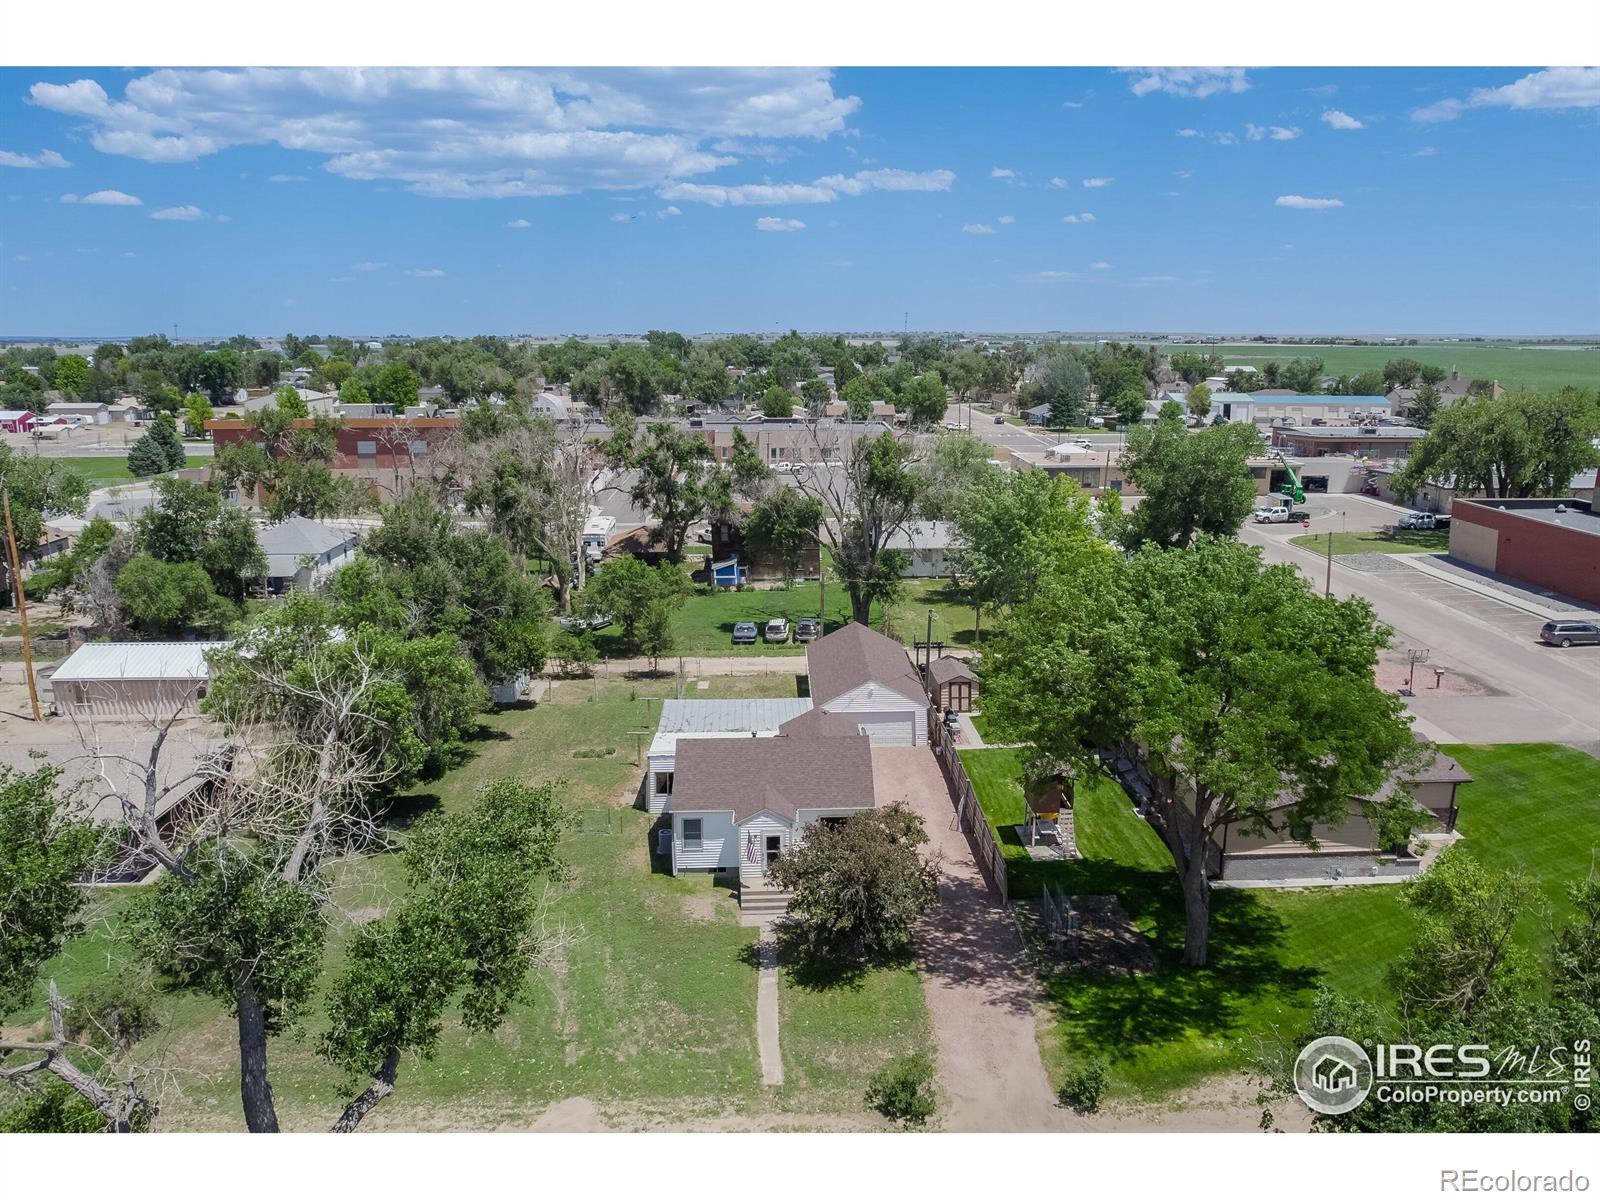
(1531, 692)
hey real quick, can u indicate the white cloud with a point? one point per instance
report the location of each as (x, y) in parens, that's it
(1442, 110)
(109, 196)
(465, 132)
(519, 223)
(621, 218)
(1099, 181)
(977, 229)
(368, 266)
(1072, 104)
(287, 179)
(1078, 218)
(888, 179)
(43, 160)
(425, 273)
(181, 212)
(671, 210)
(1307, 202)
(1008, 220)
(822, 191)
(1277, 133)
(749, 193)
(1190, 133)
(1050, 276)
(1158, 279)
(1194, 82)
(1341, 120)
(1226, 139)
(779, 225)
(1553, 88)
(1323, 89)
(1057, 182)
(1002, 173)
(1099, 266)
(1425, 152)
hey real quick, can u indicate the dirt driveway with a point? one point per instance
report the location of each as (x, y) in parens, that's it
(979, 987)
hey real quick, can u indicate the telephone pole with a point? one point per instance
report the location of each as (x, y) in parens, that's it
(20, 593)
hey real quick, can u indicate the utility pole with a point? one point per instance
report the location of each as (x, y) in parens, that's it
(1327, 587)
(20, 593)
(927, 655)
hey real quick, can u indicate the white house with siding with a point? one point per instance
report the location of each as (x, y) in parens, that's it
(681, 719)
(862, 674)
(740, 802)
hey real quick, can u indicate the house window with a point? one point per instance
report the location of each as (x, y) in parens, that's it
(691, 833)
(418, 449)
(832, 822)
(663, 783)
(366, 448)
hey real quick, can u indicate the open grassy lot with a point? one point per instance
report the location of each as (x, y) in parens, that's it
(103, 471)
(1514, 366)
(1398, 541)
(649, 1012)
(1536, 806)
(704, 625)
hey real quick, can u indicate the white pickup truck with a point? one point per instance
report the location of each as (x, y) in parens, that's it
(1275, 515)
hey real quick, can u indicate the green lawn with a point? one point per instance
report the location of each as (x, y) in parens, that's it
(1400, 541)
(704, 625)
(105, 471)
(1513, 366)
(1532, 806)
(650, 1011)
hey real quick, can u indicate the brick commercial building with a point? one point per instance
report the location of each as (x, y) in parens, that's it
(388, 453)
(1552, 544)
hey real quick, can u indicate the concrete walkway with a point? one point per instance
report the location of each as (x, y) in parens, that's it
(767, 1010)
(976, 978)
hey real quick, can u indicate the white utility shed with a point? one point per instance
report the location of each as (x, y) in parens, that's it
(132, 679)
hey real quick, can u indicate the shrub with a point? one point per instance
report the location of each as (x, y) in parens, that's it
(113, 1014)
(903, 1090)
(1085, 1085)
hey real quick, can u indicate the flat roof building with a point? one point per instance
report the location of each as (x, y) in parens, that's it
(1549, 543)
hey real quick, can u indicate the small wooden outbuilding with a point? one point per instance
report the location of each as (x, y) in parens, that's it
(952, 685)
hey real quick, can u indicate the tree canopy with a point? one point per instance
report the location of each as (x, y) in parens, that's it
(1523, 444)
(1194, 481)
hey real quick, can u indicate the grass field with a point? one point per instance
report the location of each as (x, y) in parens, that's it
(1513, 366)
(1401, 541)
(1536, 807)
(649, 1013)
(704, 625)
(104, 471)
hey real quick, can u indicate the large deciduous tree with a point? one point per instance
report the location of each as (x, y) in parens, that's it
(466, 934)
(1194, 482)
(859, 886)
(1244, 697)
(673, 473)
(1524, 444)
(866, 498)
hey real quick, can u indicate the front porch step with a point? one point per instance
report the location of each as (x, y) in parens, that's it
(764, 901)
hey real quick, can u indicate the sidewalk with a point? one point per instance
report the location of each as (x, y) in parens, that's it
(1508, 595)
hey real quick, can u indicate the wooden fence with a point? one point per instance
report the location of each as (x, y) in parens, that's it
(980, 834)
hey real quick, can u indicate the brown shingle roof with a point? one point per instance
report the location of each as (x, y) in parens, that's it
(781, 774)
(947, 669)
(854, 655)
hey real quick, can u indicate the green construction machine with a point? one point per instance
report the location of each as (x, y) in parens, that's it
(1293, 493)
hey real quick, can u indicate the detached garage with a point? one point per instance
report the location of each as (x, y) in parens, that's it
(867, 677)
(132, 679)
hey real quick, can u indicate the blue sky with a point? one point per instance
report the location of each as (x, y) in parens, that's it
(485, 200)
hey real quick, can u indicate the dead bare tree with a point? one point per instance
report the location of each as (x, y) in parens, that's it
(122, 1102)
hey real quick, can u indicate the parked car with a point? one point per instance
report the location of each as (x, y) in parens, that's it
(744, 633)
(1570, 633)
(999, 418)
(777, 630)
(1425, 521)
(1275, 515)
(807, 629)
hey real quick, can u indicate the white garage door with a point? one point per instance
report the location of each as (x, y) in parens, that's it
(888, 729)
